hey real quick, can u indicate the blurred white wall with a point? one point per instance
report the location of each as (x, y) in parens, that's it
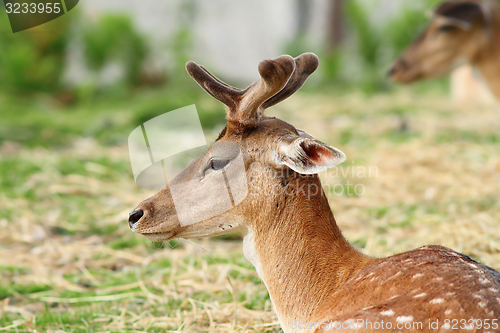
(231, 36)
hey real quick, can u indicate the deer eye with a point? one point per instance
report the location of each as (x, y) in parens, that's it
(217, 164)
(446, 28)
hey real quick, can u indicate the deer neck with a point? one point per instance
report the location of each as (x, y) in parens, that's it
(488, 62)
(299, 251)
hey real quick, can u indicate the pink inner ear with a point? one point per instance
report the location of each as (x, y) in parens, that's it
(316, 153)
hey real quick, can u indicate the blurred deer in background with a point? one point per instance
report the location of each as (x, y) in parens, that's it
(315, 278)
(461, 31)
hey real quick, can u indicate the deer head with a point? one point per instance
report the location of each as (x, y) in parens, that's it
(272, 151)
(458, 33)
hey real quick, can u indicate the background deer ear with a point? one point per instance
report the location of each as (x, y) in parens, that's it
(307, 155)
(464, 14)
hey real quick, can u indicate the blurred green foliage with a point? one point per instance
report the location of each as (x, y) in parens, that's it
(404, 28)
(180, 45)
(33, 60)
(114, 38)
(368, 40)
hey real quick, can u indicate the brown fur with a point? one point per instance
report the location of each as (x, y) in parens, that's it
(311, 271)
(473, 36)
(430, 284)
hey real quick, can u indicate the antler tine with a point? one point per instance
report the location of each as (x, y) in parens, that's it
(219, 80)
(274, 74)
(219, 90)
(305, 65)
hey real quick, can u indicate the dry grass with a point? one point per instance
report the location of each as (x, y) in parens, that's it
(69, 263)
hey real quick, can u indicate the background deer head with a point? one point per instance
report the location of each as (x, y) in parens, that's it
(459, 32)
(272, 151)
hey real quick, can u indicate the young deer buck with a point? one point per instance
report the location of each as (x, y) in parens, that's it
(461, 31)
(312, 273)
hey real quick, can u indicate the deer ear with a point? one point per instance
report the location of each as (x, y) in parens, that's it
(307, 155)
(464, 14)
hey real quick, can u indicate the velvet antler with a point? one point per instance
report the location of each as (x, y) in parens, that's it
(242, 105)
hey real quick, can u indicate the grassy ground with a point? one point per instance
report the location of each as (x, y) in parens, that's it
(420, 170)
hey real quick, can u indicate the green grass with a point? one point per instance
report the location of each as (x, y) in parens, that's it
(14, 290)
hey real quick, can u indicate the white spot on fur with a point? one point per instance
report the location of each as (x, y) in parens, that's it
(472, 265)
(484, 281)
(446, 326)
(494, 290)
(450, 293)
(395, 275)
(448, 312)
(393, 297)
(417, 275)
(387, 313)
(439, 278)
(420, 295)
(436, 300)
(482, 304)
(478, 296)
(469, 327)
(404, 319)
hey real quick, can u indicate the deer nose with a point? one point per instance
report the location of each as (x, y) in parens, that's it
(399, 67)
(391, 71)
(134, 217)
